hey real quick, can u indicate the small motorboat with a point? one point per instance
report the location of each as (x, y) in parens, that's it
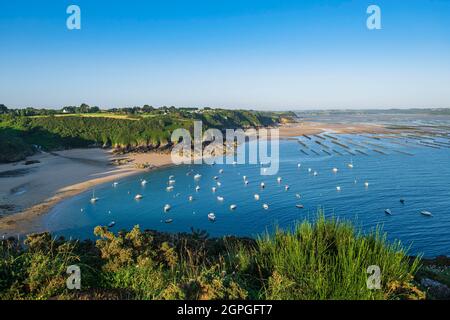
(143, 182)
(219, 198)
(111, 224)
(246, 182)
(219, 184)
(279, 179)
(315, 173)
(256, 196)
(388, 211)
(169, 188)
(265, 206)
(190, 198)
(338, 188)
(299, 206)
(298, 196)
(211, 216)
(171, 177)
(115, 184)
(263, 185)
(366, 184)
(171, 182)
(197, 188)
(309, 169)
(335, 170)
(197, 176)
(216, 178)
(167, 208)
(221, 171)
(244, 177)
(350, 165)
(213, 189)
(299, 165)
(286, 188)
(169, 221)
(233, 207)
(138, 197)
(426, 213)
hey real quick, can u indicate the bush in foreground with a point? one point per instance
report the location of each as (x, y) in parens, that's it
(324, 260)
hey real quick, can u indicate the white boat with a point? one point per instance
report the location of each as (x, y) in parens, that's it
(138, 197)
(309, 169)
(256, 196)
(219, 184)
(298, 196)
(221, 171)
(244, 177)
(286, 188)
(191, 198)
(213, 189)
(299, 206)
(211, 216)
(366, 184)
(216, 178)
(171, 177)
(350, 165)
(263, 185)
(234, 163)
(197, 188)
(246, 182)
(115, 184)
(233, 207)
(279, 179)
(111, 224)
(197, 176)
(171, 182)
(144, 182)
(169, 221)
(169, 188)
(426, 213)
(167, 208)
(315, 173)
(338, 188)
(388, 211)
(94, 199)
(219, 198)
(335, 170)
(265, 206)
(299, 165)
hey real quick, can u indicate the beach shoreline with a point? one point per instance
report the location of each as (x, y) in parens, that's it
(57, 176)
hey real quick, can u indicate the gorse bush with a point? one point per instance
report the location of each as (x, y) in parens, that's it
(327, 259)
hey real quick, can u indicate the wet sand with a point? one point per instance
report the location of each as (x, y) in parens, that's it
(308, 128)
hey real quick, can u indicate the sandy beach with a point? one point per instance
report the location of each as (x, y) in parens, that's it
(28, 191)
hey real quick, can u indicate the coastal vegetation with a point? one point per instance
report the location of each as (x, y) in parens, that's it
(327, 259)
(23, 131)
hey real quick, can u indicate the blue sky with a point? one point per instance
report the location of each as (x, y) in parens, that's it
(262, 54)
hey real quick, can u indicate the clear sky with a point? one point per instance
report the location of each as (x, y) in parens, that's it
(262, 54)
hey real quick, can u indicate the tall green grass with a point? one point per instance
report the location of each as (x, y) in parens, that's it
(327, 259)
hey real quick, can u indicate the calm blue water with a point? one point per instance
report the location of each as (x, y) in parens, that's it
(422, 179)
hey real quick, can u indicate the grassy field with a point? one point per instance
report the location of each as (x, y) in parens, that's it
(324, 260)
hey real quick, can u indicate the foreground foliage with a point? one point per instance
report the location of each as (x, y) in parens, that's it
(324, 260)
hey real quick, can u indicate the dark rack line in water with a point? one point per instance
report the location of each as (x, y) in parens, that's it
(403, 152)
(376, 145)
(328, 136)
(380, 152)
(304, 152)
(307, 137)
(420, 143)
(337, 152)
(302, 143)
(325, 151)
(363, 153)
(315, 152)
(340, 144)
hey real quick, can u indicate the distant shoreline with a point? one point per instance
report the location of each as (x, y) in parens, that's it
(61, 175)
